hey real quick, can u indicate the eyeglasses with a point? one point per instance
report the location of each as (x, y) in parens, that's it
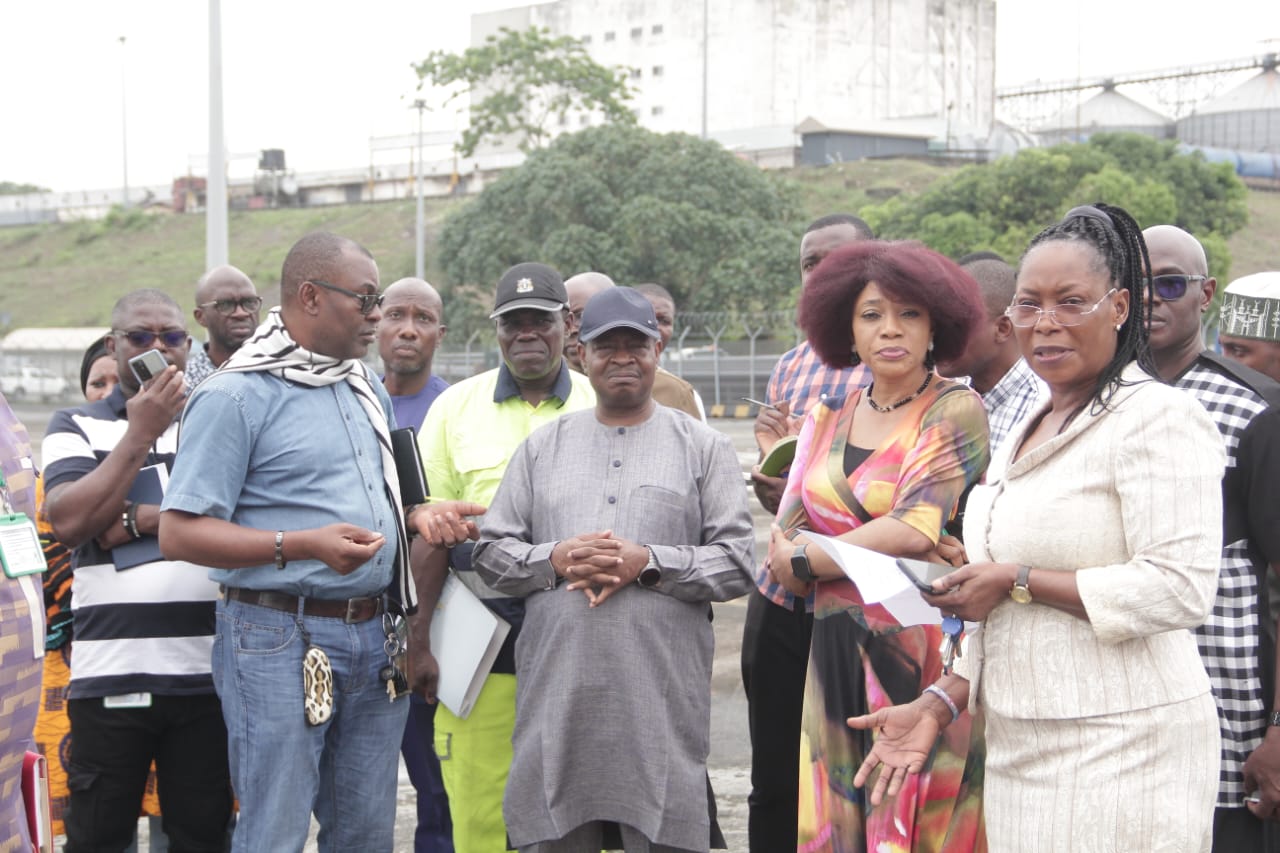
(1068, 314)
(368, 301)
(1172, 286)
(228, 306)
(145, 337)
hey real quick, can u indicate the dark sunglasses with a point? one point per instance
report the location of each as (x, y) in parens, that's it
(368, 301)
(145, 337)
(1172, 286)
(228, 306)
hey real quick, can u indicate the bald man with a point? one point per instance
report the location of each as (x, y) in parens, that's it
(580, 288)
(227, 306)
(1234, 642)
(409, 332)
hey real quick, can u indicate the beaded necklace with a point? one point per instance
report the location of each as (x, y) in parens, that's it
(928, 377)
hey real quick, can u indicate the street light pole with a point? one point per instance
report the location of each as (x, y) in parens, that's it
(124, 125)
(215, 211)
(420, 257)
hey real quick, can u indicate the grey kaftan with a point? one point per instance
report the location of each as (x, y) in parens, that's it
(613, 703)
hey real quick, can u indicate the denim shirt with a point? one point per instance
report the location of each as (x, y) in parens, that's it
(269, 454)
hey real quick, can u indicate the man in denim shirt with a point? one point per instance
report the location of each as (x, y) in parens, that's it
(284, 485)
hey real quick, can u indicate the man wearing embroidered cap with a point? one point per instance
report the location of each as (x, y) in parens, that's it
(1249, 324)
(616, 527)
(467, 439)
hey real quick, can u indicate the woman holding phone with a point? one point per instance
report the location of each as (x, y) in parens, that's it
(1094, 544)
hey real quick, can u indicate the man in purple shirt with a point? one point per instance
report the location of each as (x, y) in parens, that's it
(411, 328)
(775, 638)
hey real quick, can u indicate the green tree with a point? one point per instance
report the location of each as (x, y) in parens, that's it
(1001, 205)
(10, 188)
(638, 206)
(520, 81)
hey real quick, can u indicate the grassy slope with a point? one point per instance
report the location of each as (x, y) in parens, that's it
(69, 275)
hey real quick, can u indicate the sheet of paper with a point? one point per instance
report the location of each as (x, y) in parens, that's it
(879, 581)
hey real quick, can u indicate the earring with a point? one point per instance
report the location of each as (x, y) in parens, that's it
(930, 344)
(1119, 326)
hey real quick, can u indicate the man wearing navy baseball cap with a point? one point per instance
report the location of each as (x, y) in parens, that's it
(616, 527)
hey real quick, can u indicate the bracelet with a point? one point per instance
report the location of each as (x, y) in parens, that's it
(129, 518)
(280, 563)
(946, 700)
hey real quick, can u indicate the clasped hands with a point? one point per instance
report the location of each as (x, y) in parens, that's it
(599, 564)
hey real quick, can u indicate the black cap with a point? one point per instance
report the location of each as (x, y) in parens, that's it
(530, 285)
(618, 308)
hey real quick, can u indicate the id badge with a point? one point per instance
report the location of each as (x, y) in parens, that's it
(20, 550)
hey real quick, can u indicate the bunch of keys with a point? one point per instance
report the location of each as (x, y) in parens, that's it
(952, 631)
(396, 647)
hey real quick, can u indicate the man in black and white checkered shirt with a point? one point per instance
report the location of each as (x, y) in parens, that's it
(1236, 643)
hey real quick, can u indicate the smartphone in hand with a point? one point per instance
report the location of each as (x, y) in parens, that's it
(148, 365)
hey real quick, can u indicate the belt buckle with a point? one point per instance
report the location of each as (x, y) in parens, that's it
(353, 605)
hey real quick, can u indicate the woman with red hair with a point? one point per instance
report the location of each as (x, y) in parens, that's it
(884, 469)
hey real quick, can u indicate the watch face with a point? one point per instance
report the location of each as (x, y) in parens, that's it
(649, 576)
(1020, 594)
(800, 565)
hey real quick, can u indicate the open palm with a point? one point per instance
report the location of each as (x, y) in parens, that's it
(904, 738)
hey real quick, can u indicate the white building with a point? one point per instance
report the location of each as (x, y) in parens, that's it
(754, 69)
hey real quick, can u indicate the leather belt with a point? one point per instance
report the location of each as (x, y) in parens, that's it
(348, 610)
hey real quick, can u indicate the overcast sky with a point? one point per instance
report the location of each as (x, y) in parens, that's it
(318, 78)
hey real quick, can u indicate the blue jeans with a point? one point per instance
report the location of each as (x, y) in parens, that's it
(283, 769)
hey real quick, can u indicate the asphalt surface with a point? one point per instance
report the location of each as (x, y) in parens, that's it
(730, 761)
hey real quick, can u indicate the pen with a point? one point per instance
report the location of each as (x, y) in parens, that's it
(760, 403)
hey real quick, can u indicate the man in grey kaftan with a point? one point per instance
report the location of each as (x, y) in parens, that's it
(618, 525)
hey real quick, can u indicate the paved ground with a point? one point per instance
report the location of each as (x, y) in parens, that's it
(730, 761)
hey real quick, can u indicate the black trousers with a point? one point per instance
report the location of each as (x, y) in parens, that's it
(111, 753)
(775, 657)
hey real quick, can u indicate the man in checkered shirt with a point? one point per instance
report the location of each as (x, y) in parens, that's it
(1236, 642)
(775, 638)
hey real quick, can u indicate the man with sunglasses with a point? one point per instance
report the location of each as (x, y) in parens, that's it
(141, 685)
(286, 485)
(227, 306)
(1237, 643)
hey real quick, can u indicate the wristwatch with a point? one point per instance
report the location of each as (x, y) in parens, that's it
(651, 573)
(1274, 719)
(800, 565)
(1021, 591)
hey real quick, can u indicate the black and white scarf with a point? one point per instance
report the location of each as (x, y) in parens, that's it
(272, 350)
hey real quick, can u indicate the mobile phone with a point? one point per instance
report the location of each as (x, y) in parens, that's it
(148, 365)
(923, 574)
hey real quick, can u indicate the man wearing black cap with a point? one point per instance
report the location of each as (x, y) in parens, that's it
(617, 527)
(467, 439)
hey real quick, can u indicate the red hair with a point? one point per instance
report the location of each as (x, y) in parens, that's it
(907, 273)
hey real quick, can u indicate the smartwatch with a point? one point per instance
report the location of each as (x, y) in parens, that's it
(651, 573)
(800, 565)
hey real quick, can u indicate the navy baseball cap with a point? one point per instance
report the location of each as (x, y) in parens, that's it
(530, 285)
(618, 308)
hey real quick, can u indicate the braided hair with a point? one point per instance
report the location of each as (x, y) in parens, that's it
(1116, 240)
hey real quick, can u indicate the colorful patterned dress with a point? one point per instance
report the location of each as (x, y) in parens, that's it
(20, 663)
(860, 660)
